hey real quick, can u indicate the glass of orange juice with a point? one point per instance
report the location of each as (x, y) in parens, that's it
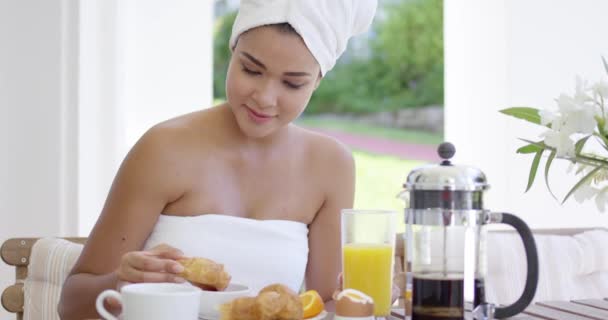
(368, 251)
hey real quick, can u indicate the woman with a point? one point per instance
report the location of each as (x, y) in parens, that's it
(237, 183)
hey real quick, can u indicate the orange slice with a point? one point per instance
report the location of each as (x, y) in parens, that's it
(312, 303)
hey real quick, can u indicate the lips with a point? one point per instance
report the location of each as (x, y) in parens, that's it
(259, 114)
(258, 117)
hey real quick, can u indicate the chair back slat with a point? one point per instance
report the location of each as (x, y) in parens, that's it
(13, 299)
(16, 252)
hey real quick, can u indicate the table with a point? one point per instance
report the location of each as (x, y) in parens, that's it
(589, 309)
(331, 317)
(569, 310)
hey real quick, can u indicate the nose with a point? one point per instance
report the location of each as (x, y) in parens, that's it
(265, 95)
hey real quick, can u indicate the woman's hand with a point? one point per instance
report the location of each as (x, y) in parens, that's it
(155, 265)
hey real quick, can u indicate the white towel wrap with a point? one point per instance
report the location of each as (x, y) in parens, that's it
(254, 252)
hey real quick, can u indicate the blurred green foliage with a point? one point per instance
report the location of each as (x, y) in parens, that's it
(403, 69)
(221, 53)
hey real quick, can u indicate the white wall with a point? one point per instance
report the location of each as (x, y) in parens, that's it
(37, 121)
(100, 87)
(172, 63)
(36, 118)
(149, 60)
(79, 82)
(503, 53)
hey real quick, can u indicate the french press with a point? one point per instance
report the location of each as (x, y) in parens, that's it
(445, 236)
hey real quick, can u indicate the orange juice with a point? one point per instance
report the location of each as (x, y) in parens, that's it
(368, 268)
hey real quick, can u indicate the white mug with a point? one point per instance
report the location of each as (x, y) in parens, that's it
(153, 301)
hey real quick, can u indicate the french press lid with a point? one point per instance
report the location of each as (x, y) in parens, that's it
(446, 185)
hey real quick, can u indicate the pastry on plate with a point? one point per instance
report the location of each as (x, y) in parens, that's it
(205, 273)
(274, 302)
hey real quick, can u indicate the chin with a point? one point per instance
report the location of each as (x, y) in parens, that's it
(256, 134)
(252, 130)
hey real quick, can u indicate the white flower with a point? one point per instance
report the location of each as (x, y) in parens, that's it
(601, 89)
(561, 141)
(571, 167)
(580, 121)
(579, 116)
(580, 93)
(584, 192)
(565, 103)
(547, 116)
(601, 199)
(583, 169)
(576, 116)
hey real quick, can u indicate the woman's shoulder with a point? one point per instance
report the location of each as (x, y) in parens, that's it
(178, 138)
(330, 166)
(170, 135)
(323, 148)
(187, 125)
(191, 128)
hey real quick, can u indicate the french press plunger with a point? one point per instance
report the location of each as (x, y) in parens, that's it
(444, 230)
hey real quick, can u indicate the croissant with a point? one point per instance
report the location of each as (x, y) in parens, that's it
(205, 272)
(274, 302)
(240, 309)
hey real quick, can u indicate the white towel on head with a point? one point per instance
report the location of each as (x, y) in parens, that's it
(324, 25)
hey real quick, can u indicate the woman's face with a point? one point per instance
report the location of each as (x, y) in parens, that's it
(270, 80)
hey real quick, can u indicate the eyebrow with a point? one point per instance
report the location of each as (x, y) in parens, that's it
(261, 65)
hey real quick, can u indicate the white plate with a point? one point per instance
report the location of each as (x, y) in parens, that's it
(320, 316)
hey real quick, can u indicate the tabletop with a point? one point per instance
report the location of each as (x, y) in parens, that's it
(596, 309)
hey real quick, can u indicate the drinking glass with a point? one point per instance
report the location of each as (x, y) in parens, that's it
(368, 251)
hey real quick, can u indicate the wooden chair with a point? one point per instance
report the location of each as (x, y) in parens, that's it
(16, 252)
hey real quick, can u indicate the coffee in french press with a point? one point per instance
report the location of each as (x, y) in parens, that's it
(445, 230)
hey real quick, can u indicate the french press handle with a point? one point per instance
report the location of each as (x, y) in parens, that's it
(531, 256)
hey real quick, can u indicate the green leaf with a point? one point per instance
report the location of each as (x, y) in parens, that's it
(578, 147)
(533, 169)
(584, 180)
(530, 148)
(540, 144)
(605, 64)
(524, 113)
(547, 166)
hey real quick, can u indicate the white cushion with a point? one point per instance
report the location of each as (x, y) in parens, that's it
(50, 263)
(570, 267)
